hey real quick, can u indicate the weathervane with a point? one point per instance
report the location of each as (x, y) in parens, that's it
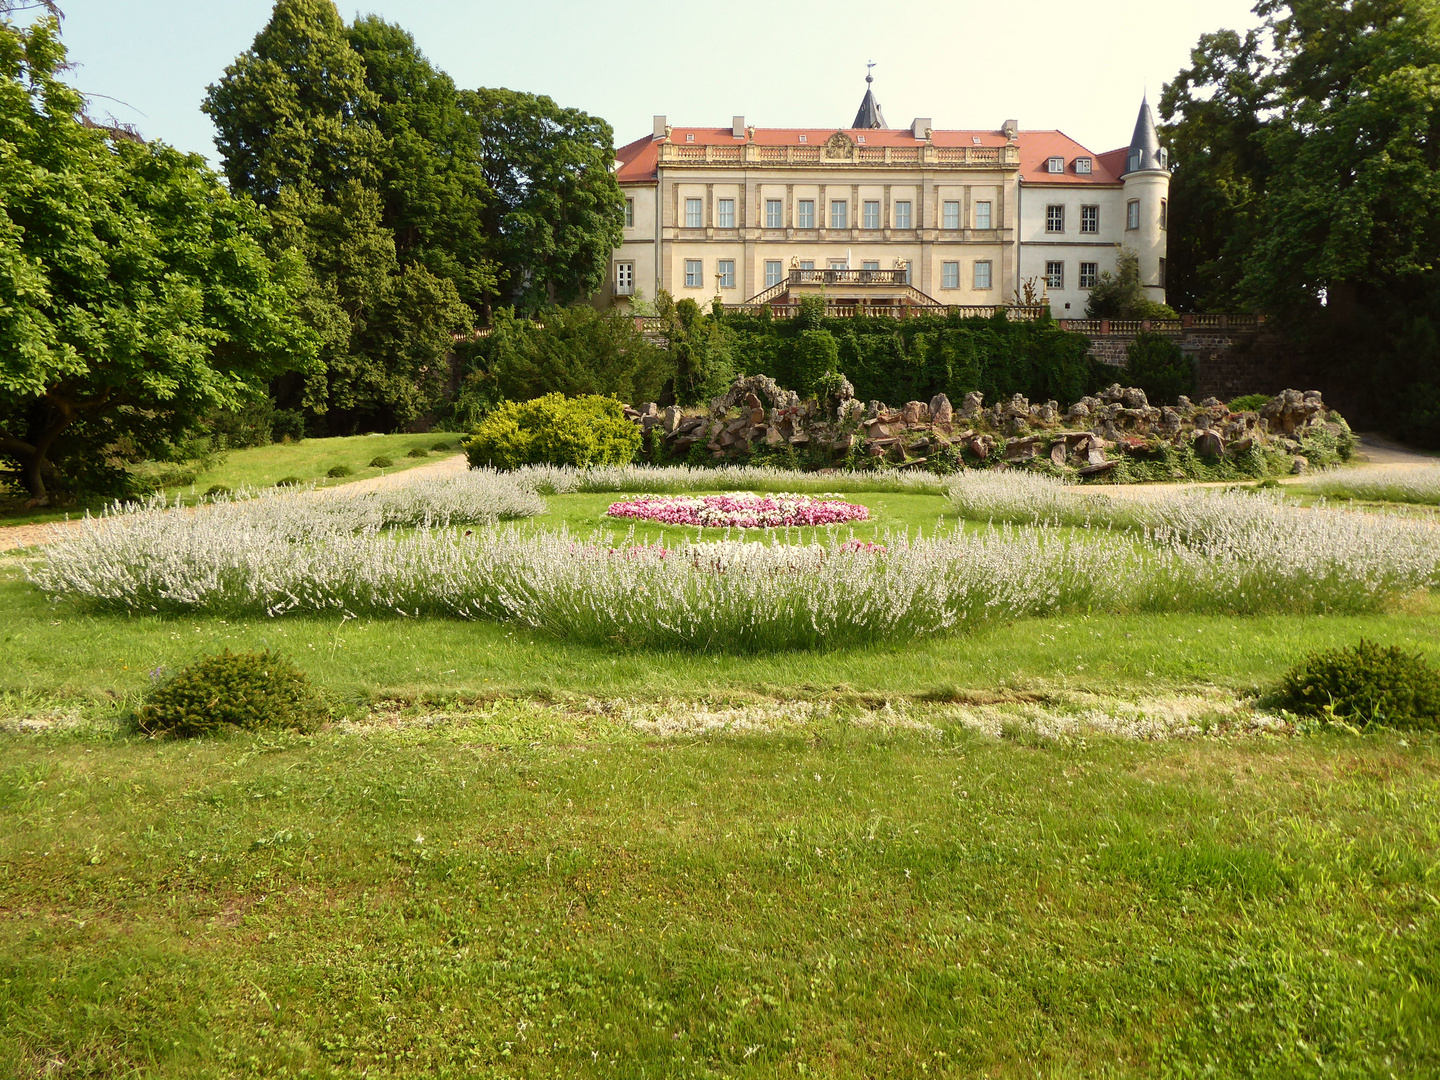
(868, 69)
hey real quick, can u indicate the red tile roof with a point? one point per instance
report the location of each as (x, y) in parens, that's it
(637, 159)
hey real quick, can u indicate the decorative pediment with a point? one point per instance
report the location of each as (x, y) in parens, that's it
(839, 147)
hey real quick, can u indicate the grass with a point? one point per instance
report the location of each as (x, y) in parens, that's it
(261, 466)
(484, 896)
(583, 514)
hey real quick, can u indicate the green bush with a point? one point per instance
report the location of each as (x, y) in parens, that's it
(289, 481)
(1248, 403)
(216, 490)
(443, 447)
(335, 472)
(554, 430)
(1156, 365)
(817, 353)
(1365, 684)
(287, 425)
(418, 452)
(244, 690)
(380, 461)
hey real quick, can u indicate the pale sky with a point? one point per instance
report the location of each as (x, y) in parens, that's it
(1077, 65)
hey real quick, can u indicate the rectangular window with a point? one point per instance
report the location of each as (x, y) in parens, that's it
(726, 269)
(871, 211)
(1089, 219)
(1162, 274)
(807, 264)
(982, 215)
(774, 214)
(1056, 165)
(694, 213)
(1088, 273)
(624, 279)
(950, 275)
(629, 213)
(909, 280)
(1055, 275)
(1132, 214)
(1164, 213)
(1054, 219)
(950, 215)
(694, 274)
(725, 214)
(982, 274)
(870, 264)
(773, 273)
(902, 215)
(839, 214)
(837, 264)
(1082, 165)
(805, 216)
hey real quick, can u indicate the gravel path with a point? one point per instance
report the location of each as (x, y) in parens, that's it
(23, 536)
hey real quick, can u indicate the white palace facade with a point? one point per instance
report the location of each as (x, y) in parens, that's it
(884, 217)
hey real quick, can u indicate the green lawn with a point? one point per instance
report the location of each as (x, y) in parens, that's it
(513, 856)
(488, 897)
(262, 466)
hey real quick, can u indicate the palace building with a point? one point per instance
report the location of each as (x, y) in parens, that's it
(886, 218)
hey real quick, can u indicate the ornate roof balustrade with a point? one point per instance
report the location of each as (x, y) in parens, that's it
(838, 151)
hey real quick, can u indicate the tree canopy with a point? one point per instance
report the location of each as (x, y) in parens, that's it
(1307, 176)
(135, 293)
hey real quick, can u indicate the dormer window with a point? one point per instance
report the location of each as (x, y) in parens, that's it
(802, 138)
(860, 139)
(1082, 165)
(1133, 161)
(975, 139)
(690, 137)
(1164, 158)
(1056, 165)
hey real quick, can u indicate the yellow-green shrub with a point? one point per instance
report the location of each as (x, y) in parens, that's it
(554, 430)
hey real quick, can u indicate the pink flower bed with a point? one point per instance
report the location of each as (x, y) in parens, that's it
(738, 511)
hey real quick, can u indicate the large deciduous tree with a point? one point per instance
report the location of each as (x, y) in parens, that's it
(386, 328)
(1308, 173)
(295, 107)
(556, 212)
(135, 294)
(429, 171)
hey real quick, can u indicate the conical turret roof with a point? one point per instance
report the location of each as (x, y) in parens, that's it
(869, 116)
(1145, 142)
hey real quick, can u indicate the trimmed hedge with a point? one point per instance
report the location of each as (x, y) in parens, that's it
(914, 359)
(554, 430)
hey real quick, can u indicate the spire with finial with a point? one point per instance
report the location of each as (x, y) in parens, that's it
(869, 115)
(1145, 151)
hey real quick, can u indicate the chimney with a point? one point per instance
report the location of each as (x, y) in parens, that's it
(658, 131)
(920, 125)
(1010, 129)
(737, 127)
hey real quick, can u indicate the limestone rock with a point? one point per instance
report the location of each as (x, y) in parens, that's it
(941, 410)
(971, 406)
(1208, 443)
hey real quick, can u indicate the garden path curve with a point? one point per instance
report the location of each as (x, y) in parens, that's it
(23, 536)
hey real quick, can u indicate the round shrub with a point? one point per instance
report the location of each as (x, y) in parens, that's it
(419, 451)
(554, 430)
(245, 690)
(289, 481)
(443, 447)
(287, 425)
(1367, 684)
(217, 490)
(380, 461)
(1248, 403)
(335, 472)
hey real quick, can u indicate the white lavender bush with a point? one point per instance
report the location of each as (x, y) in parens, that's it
(1234, 554)
(1420, 484)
